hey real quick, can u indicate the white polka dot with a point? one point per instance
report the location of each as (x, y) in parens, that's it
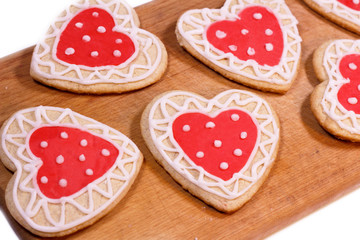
(94, 54)
(250, 51)
(60, 159)
(44, 180)
(237, 152)
(105, 152)
(83, 143)
(356, 1)
(95, 14)
(257, 16)
(200, 154)
(232, 48)
(101, 29)
(69, 51)
(352, 66)
(243, 135)
(118, 41)
(359, 87)
(63, 182)
(44, 144)
(82, 157)
(186, 128)
(269, 47)
(217, 143)
(79, 25)
(210, 125)
(89, 172)
(86, 38)
(117, 53)
(64, 135)
(268, 32)
(224, 165)
(235, 117)
(353, 100)
(244, 31)
(220, 34)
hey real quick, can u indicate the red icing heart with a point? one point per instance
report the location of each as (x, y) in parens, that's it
(89, 40)
(72, 158)
(349, 93)
(255, 35)
(353, 4)
(221, 145)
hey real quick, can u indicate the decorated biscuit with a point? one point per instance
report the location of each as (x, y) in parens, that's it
(345, 13)
(255, 43)
(336, 101)
(97, 47)
(69, 170)
(220, 150)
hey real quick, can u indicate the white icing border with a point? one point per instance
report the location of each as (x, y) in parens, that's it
(340, 10)
(330, 101)
(37, 200)
(143, 40)
(235, 65)
(159, 133)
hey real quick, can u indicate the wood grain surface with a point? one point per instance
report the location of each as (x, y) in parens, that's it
(312, 168)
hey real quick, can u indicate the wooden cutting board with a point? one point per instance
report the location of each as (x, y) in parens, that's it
(312, 168)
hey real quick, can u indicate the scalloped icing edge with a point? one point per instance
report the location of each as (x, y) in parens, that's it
(282, 74)
(24, 173)
(329, 102)
(159, 131)
(122, 74)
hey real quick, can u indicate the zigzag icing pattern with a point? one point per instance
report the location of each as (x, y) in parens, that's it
(44, 56)
(27, 167)
(346, 119)
(161, 133)
(279, 74)
(340, 10)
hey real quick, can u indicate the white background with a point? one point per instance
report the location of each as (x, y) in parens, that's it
(23, 22)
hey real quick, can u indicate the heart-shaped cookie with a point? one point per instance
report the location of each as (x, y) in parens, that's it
(257, 45)
(345, 13)
(221, 150)
(70, 170)
(336, 101)
(98, 47)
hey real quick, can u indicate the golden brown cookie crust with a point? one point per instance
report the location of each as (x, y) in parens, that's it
(220, 203)
(328, 123)
(146, 66)
(11, 159)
